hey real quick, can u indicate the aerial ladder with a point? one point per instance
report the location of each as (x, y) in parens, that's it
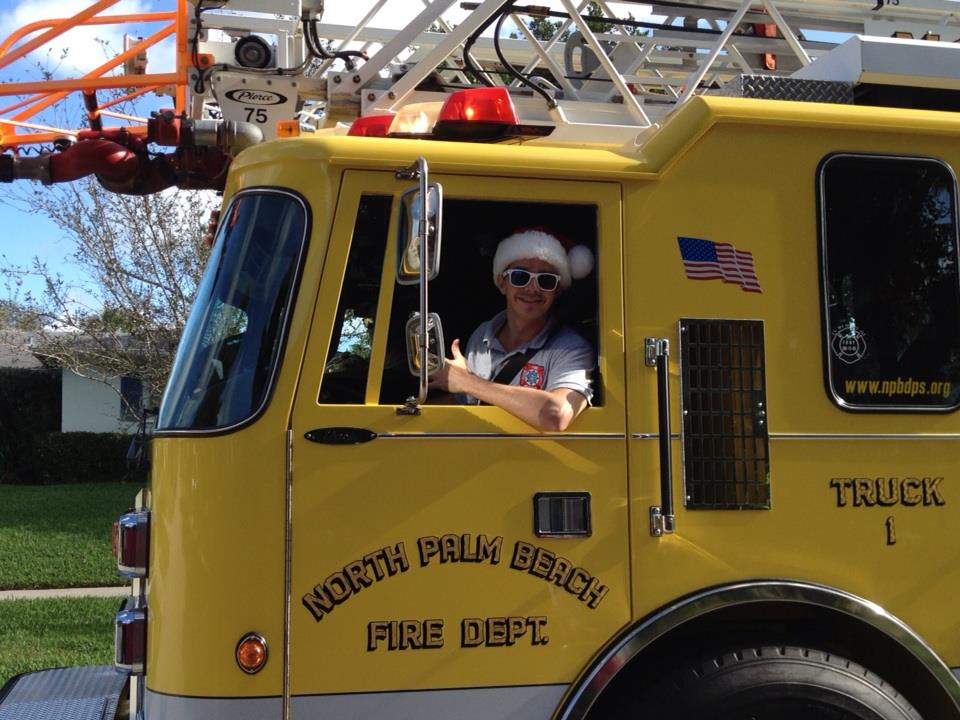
(248, 71)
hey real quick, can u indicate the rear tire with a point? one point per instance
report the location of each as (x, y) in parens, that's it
(781, 683)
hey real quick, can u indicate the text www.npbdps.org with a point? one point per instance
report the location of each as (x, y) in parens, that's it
(900, 386)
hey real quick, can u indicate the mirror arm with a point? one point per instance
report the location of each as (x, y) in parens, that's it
(424, 274)
(418, 171)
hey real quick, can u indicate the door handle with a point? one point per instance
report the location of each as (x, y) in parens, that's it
(340, 435)
(662, 517)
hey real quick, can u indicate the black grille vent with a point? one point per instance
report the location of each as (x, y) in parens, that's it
(724, 405)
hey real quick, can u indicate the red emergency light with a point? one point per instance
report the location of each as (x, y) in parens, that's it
(483, 115)
(371, 126)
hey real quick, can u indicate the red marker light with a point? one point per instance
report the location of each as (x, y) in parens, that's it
(130, 637)
(371, 126)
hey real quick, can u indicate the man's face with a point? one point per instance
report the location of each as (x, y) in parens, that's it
(530, 302)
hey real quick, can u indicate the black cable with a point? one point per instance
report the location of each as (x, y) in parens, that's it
(551, 102)
(316, 48)
(470, 66)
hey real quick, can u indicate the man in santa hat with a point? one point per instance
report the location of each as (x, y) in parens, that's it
(522, 360)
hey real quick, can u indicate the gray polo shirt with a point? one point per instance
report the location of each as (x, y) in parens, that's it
(563, 360)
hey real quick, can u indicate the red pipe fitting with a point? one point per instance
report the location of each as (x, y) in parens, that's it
(101, 157)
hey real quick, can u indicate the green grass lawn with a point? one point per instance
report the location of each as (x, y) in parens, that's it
(59, 535)
(39, 634)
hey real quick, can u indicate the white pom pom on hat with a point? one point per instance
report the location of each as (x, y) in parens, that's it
(540, 244)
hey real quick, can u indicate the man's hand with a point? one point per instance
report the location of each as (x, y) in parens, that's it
(454, 375)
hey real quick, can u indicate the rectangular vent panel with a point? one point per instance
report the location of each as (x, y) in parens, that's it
(724, 411)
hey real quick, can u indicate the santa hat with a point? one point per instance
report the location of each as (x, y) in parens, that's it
(541, 244)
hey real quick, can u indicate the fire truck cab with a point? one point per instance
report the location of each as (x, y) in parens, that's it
(755, 517)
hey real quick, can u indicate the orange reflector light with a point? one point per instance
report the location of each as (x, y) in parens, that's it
(487, 105)
(205, 60)
(288, 128)
(371, 126)
(251, 653)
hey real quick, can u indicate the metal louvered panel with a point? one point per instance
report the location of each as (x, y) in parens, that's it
(78, 693)
(772, 87)
(724, 415)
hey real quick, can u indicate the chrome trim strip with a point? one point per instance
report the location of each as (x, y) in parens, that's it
(523, 702)
(588, 687)
(865, 436)
(160, 705)
(830, 436)
(499, 436)
(287, 573)
(520, 702)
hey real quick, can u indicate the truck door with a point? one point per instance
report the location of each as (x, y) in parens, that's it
(454, 563)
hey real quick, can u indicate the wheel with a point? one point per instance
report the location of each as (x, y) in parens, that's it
(781, 683)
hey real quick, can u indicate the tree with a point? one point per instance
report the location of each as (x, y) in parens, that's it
(138, 260)
(14, 316)
(544, 28)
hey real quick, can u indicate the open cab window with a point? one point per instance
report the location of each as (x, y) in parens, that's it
(891, 294)
(231, 346)
(367, 357)
(463, 293)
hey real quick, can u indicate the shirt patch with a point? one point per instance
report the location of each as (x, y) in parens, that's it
(532, 376)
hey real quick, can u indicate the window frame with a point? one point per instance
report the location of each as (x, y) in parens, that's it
(825, 326)
(469, 420)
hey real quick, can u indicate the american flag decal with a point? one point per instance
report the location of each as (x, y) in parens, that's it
(707, 260)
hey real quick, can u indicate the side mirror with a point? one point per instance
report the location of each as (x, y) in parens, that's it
(434, 344)
(420, 221)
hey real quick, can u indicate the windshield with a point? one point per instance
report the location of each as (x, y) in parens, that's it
(231, 344)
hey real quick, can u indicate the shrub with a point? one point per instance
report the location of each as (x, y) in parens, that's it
(82, 457)
(29, 405)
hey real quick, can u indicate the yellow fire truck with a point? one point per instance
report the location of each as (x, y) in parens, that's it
(756, 516)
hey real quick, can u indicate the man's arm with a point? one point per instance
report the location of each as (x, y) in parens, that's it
(549, 410)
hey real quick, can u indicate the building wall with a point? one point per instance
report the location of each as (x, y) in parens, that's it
(92, 406)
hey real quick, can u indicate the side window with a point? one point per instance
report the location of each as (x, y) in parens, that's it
(232, 343)
(131, 398)
(464, 294)
(891, 295)
(348, 360)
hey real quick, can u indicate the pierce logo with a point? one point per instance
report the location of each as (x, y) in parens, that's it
(256, 97)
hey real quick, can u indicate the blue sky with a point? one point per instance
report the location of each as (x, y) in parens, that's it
(26, 236)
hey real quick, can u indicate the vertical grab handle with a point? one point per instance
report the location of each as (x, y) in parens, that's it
(662, 517)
